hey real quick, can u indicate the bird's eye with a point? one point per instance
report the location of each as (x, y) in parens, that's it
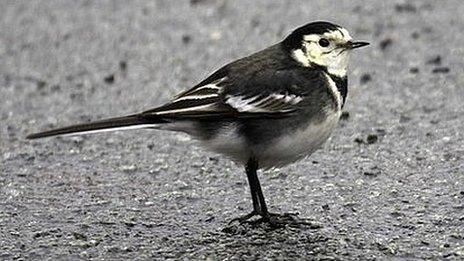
(324, 42)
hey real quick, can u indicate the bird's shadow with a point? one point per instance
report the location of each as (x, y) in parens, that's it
(262, 240)
(275, 221)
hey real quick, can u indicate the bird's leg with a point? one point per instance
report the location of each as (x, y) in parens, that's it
(255, 188)
(254, 195)
(259, 204)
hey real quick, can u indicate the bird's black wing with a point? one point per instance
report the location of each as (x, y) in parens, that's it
(268, 93)
(253, 87)
(265, 93)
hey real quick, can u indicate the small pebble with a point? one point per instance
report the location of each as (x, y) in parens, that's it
(359, 140)
(372, 138)
(373, 171)
(41, 84)
(415, 35)
(404, 118)
(365, 78)
(435, 60)
(109, 79)
(385, 43)
(215, 35)
(186, 39)
(79, 236)
(55, 88)
(128, 168)
(405, 8)
(441, 70)
(254, 22)
(195, 2)
(123, 66)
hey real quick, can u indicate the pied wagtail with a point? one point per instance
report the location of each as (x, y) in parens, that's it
(265, 110)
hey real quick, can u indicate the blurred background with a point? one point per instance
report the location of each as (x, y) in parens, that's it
(388, 184)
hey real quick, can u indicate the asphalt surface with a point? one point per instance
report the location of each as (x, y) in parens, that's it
(388, 185)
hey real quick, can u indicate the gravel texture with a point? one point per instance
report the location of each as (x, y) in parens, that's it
(389, 184)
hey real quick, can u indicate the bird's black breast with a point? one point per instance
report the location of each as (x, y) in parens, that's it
(342, 86)
(340, 82)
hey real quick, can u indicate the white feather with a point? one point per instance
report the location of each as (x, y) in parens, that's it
(253, 105)
(132, 127)
(195, 97)
(301, 57)
(243, 105)
(287, 98)
(210, 86)
(334, 90)
(201, 108)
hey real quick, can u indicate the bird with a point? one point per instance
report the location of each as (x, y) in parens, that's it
(266, 110)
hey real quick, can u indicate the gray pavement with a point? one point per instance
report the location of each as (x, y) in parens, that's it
(388, 185)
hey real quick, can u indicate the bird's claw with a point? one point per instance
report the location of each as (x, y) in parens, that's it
(274, 220)
(245, 218)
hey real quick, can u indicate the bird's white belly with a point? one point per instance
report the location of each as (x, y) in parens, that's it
(228, 142)
(277, 152)
(297, 145)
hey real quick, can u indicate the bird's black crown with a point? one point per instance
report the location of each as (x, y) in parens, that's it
(294, 40)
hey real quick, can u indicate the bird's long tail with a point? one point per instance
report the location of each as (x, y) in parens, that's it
(136, 121)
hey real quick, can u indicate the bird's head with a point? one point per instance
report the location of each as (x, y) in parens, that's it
(322, 44)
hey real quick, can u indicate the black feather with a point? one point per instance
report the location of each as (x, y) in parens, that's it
(131, 120)
(293, 41)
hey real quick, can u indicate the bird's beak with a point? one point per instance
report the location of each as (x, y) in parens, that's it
(353, 45)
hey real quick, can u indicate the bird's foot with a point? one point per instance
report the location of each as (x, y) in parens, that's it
(246, 218)
(277, 220)
(274, 220)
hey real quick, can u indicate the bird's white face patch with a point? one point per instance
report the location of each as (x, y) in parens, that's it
(334, 56)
